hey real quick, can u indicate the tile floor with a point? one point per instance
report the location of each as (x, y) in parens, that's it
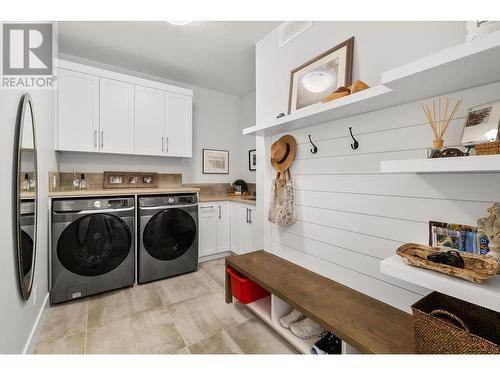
(183, 315)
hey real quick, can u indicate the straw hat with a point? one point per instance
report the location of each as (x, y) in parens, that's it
(283, 153)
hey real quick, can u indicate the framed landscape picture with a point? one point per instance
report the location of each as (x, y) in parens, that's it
(252, 160)
(319, 77)
(215, 161)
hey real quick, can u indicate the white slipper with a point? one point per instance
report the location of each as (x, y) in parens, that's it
(306, 329)
(293, 317)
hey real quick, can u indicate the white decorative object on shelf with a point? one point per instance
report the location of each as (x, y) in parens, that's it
(490, 226)
(476, 29)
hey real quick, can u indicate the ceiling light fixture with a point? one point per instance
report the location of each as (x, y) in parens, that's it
(179, 23)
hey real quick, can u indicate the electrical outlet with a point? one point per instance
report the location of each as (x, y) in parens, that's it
(35, 295)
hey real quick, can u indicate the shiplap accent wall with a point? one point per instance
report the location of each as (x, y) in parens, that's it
(350, 216)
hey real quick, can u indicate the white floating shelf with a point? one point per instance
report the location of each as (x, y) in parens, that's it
(466, 65)
(464, 164)
(486, 294)
(360, 102)
(457, 68)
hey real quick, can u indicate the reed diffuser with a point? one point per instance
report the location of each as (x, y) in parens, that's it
(439, 120)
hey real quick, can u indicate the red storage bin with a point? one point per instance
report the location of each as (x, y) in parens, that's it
(243, 289)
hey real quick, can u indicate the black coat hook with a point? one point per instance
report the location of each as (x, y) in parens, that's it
(354, 145)
(314, 149)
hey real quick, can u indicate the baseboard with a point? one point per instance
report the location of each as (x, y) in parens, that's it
(208, 258)
(30, 346)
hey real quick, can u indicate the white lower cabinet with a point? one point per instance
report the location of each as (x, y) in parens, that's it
(226, 226)
(207, 229)
(243, 228)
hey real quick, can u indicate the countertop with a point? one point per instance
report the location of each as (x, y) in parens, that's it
(139, 191)
(232, 198)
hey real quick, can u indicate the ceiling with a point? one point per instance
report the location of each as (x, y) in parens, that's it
(211, 54)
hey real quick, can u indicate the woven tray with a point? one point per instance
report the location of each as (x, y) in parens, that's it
(477, 268)
(491, 148)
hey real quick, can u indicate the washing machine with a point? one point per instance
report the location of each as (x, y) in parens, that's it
(168, 236)
(93, 246)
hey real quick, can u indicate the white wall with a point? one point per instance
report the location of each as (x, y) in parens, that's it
(247, 119)
(349, 215)
(216, 124)
(17, 317)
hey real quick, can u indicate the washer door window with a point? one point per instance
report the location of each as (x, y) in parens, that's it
(169, 234)
(94, 245)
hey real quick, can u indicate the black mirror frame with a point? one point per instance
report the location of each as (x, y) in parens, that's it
(26, 103)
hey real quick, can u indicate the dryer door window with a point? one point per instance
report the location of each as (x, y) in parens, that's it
(169, 234)
(94, 245)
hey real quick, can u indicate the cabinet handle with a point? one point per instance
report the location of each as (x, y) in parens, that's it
(219, 213)
(102, 138)
(167, 144)
(95, 138)
(162, 147)
(249, 216)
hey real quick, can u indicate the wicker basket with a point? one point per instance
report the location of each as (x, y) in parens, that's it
(446, 325)
(491, 148)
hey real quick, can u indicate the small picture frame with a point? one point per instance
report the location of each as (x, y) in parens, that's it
(482, 124)
(252, 160)
(215, 161)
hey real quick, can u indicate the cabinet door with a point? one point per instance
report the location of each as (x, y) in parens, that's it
(224, 227)
(236, 227)
(178, 124)
(149, 121)
(250, 229)
(207, 223)
(116, 116)
(77, 111)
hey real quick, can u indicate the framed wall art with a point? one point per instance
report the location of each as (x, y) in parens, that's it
(252, 160)
(215, 161)
(315, 79)
(482, 123)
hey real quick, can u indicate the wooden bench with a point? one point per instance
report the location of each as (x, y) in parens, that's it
(367, 324)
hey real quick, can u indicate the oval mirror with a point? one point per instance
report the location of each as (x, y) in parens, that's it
(25, 194)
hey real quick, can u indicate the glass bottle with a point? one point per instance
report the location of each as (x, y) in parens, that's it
(32, 180)
(83, 182)
(26, 182)
(76, 181)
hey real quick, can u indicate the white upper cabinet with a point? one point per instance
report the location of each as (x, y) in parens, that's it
(105, 111)
(149, 121)
(116, 116)
(178, 124)
(77, 111)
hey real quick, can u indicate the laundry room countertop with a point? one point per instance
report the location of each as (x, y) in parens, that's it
(232, 198)
(87, 193)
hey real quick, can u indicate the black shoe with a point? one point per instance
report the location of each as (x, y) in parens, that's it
(328, 344)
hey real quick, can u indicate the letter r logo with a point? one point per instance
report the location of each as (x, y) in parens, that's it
(27, 49)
